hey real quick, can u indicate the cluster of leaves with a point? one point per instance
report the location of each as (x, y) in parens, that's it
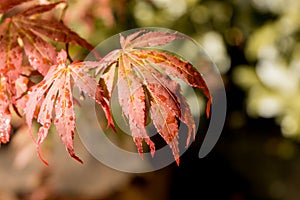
(142, 76)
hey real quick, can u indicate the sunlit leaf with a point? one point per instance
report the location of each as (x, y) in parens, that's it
(5, 115)
(5, 5)
(25, 30)
(51, 100)
(144, 75)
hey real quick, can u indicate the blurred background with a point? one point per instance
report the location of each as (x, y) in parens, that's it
(255, 45)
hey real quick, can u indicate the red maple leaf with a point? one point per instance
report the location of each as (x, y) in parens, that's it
(5, 116)
(6, 5)
(53, 97)
(144, 75)
(26, 36)
(32, 31)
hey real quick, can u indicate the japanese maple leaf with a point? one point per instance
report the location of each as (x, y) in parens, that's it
(8, 100)
(144, 78)
(5, 115)
(26, 30)
(51, 100)
(6, 5)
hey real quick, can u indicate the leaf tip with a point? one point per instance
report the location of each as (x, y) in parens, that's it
(72, 154)
(151, 145)
(110, 124)
(40, 156)
(208, 107)
(177, 161)
(78, 159)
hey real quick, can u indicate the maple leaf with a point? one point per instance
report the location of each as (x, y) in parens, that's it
(25, 30)
(144, 75)
(5, 115)
(27, 33)
(53, 95)
(9, 95)
(6, 5)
